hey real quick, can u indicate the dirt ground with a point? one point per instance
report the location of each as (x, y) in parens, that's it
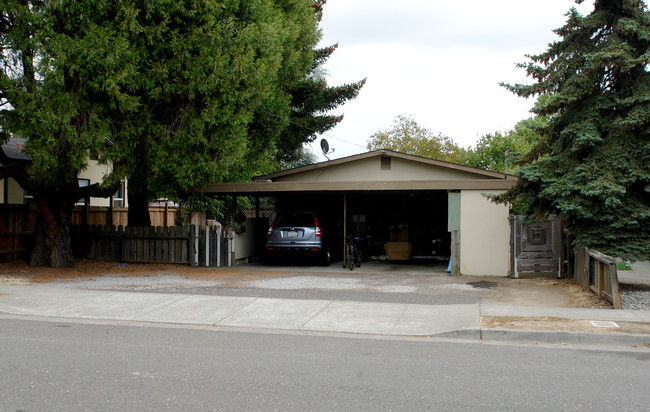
(19, 273)
(546, 292)
(550, 323)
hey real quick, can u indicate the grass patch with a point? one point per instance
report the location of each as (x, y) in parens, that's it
(623, 266)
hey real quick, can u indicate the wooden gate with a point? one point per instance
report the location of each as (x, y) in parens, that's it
(537, 249)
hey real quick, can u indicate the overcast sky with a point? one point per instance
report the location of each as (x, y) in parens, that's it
(437, 61)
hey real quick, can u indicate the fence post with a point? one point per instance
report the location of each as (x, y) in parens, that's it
(207, 246)
(231, 248)
(219, 246)
(616, 288)
(234, 247)
(194, 245)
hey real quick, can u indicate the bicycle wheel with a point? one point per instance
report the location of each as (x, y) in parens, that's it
(349, 258)
(357, 258)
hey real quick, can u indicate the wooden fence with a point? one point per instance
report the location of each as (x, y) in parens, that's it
(597, 272)
(16, 231)
(17, 224)
(104, 215)
(189, 245)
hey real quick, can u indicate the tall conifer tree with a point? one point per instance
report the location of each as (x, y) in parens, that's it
(592, 165)
(311, 100)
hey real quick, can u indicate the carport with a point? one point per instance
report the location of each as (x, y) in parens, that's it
(436, 208)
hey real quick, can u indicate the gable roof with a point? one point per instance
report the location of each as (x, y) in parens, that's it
(362, 173)
(14, 148)
(480, 173)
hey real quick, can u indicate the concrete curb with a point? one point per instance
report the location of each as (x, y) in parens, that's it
(460, 334)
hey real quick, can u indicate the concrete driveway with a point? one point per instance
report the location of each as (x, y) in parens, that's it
(373, 282)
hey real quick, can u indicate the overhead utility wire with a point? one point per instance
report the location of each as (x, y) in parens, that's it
(314, 130)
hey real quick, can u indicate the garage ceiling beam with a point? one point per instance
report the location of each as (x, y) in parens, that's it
(377, 186)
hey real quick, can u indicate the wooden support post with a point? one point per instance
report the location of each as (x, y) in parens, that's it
(233, 212)
(455, 252)
(453, 226)
(601, 278)
(109, 217)
(258, 248)
(85, 213)
(166, 218)
(345, 224)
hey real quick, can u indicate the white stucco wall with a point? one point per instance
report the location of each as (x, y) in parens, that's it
(485, 236)
(245, 242)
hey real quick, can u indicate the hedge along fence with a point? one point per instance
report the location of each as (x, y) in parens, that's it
(189, 245)
(597, 272)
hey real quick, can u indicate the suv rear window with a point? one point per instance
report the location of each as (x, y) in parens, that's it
(296, 219)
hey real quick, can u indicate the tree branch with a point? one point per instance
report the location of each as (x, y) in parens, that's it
(95, 190)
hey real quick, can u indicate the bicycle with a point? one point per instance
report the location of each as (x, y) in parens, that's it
(352, 253)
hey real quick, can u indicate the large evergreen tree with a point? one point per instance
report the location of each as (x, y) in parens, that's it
(592, 165)
(161, 90)
(207, 73)
(59, 67)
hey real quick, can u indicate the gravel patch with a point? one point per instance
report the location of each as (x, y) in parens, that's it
(635, 299)
(142, 283)
(459, 287)
(308, 282)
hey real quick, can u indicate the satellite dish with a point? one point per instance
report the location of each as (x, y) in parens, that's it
(326, 148)
(324, 145)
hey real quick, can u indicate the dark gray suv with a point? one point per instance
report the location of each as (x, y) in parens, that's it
(297, 234)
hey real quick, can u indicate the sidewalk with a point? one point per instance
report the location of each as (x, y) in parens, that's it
(460, 321)
(639, 276)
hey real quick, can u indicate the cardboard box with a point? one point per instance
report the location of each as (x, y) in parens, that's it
(398, 250)
(399, 236)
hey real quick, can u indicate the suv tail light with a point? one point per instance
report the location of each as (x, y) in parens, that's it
(271, 227)
(318, 232)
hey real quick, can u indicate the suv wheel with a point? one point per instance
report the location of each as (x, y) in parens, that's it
(327, 257)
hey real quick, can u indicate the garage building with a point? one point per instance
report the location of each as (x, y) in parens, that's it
(407, 207)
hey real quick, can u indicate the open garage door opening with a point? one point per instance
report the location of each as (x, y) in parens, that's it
(399, 227)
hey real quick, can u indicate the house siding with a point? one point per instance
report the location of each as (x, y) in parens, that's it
(367, 170)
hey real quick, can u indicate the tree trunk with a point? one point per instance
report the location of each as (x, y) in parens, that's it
(138, 201)
(138, 188)
(53, 246)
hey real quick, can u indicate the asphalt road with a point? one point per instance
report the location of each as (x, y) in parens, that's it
(71, 366)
